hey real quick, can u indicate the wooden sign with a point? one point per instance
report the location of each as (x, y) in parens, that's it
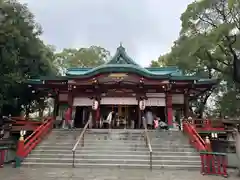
(117, 75)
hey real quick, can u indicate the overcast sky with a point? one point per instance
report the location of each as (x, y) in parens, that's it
(146, 28)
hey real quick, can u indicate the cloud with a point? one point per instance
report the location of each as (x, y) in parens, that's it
(146, 28)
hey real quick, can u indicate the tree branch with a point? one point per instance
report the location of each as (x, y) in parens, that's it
(207, 21)
(230, 44)
(226, 53)
(211, 59)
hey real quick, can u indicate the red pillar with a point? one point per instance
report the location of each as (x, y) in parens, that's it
(169, 109)
(186, 105)
(2, 157)
(97, 117)
(70, 99)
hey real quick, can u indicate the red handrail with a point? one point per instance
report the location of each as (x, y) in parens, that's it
(35, 138)
(27, 145)
(38, 128)
(195, 139)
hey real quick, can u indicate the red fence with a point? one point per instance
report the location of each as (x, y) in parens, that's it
(208, 125)
(211, 162)
(27, 145)
(214, 163)
(22, 123)
(2, 155)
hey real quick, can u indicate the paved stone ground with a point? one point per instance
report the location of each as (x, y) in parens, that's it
(8, 173)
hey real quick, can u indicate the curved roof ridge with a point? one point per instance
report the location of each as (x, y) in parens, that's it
(121, 57)
(123, 68)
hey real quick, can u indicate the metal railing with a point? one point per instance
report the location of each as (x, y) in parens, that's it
(80, 138)
(148, 144)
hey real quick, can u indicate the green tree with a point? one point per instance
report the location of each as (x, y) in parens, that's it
(208, 43)
(83, 57)
(22, 54)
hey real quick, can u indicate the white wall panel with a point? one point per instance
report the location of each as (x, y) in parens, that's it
(119, 100)
(155, 102)
(178, 99)
(82, 101)
(63, 97)
(159, 95)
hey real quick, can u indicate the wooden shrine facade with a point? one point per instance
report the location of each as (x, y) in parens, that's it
(121, 81)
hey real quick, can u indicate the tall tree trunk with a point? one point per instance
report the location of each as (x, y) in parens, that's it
(27, 110)
(40, 110)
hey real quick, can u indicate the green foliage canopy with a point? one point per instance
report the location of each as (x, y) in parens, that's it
(22, 54)
(83, 57)
(208, 45)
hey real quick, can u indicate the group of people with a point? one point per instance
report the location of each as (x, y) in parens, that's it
(153, 122)
(67, 120)
(149, 119)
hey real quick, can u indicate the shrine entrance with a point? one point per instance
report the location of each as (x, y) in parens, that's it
(123, 117)
(81, 115)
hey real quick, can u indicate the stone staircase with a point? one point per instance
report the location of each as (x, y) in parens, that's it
(115, 148)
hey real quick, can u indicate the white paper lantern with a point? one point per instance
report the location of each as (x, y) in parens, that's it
(23, 133)
(142, 105)
(95, 105)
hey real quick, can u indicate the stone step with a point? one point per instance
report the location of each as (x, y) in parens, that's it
(114, 148)
(117, 156)
(98, 139)
(118, 131)
(110, 152)
(116, 136)
(95, 135)
(112, 161)
(153, 141)
(150, 133)
(116, 143)
(140, 133)
(100, 131)
(94, 165)
(92, 140)
(157, 141)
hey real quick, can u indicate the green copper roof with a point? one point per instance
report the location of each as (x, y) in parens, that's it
(159, 71)
(121, 57)
(122, 63)
(117, 68)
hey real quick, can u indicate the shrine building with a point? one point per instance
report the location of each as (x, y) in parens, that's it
(123, 86)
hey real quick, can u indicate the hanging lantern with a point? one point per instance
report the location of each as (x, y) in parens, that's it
(95, 105)
(23, 132)
(142, 105)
